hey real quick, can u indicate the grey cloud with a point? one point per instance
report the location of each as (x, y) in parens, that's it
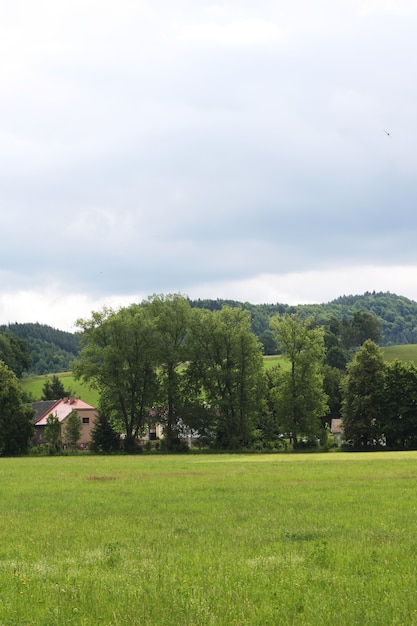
(199, 163)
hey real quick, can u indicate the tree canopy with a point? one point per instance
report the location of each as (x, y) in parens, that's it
(14, 352)
(399, 415)
(158, 361)
(299, 392)
(118, 357)
(227, 363)
(363, 395)
(16, 429)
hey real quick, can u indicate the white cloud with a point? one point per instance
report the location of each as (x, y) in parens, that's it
(55, 307)
(246, 32)
(394, 7)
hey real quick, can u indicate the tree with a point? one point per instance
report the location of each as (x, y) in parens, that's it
(118, 357)
(16, 428)
(103, 437)
(399, 417)
(227, 364)
(72, 431)
(268, 342)
(332, 383)
(14, 352)
(337, 356)
(269, 425)
(171, 318)
(53, 389)
(363, 394)
(299, 394)
(363, 326)
(366, 326)
(53, 431)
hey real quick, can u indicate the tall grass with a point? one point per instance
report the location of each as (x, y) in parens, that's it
(209, 540)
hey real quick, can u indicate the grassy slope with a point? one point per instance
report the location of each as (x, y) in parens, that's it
(406, 353)
(209, 540)
(34, 385)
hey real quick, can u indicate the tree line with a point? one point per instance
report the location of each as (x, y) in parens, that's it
(201, 373)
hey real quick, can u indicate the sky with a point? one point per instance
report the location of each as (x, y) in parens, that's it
(257, 150)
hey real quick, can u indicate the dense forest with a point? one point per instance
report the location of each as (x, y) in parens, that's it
(51, 350)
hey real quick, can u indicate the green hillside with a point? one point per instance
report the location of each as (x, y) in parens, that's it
(51, 350)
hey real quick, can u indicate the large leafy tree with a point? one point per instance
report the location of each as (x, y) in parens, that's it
(299, 393)
(118, 358)
(227, 364)
(363, 396)
(332, 382)
(399, 417)
(170, 317)
(16, 429)
(365, 326)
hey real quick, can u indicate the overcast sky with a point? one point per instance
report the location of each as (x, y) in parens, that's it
(218, 149)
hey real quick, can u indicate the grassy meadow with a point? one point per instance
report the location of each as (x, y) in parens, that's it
(209, 540)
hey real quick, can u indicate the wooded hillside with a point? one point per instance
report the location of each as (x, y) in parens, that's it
(50, 350)
(398, 314)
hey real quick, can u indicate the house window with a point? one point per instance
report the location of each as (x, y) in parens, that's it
(86, 420)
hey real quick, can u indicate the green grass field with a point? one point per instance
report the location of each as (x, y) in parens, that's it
(209, 540)
(407, 353)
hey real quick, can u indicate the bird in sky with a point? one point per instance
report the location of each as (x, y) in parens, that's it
(387, 133)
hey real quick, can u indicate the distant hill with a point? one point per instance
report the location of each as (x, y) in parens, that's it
(51, 350)
(398, 314)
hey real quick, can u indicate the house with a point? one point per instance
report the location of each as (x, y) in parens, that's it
(62, 409)
(336, 429)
